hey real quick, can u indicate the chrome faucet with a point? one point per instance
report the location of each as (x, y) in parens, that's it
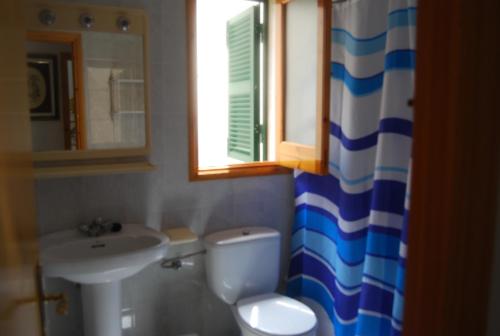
(98, 227)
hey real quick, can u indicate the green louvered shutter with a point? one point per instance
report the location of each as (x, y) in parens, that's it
(243, 39)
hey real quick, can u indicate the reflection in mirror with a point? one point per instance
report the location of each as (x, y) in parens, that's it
(109, 112)
(52, 97)
(114, 95)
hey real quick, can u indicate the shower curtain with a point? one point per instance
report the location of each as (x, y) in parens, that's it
(349, 236)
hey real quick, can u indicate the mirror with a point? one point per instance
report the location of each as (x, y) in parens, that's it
(114, 94)
(86, 90)
(88, 77)
(55, 119)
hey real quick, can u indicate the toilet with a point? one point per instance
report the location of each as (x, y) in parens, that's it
(243, 267)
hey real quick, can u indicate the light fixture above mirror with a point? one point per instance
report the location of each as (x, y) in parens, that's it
(47, 17)
(87, 20)
(123, 23)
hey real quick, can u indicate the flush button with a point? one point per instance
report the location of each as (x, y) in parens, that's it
(245, 233)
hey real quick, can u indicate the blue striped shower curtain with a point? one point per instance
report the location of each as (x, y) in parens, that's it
(349, 236)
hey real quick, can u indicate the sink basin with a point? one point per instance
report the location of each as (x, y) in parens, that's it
(111, 257)
(99, 264)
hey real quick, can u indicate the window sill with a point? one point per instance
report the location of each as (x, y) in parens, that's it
(237, 170)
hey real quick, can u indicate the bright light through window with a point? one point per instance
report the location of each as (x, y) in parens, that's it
(213, 79)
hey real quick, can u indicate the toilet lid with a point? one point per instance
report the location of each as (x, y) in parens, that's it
(276, 314)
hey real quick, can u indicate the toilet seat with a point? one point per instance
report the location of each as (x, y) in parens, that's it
(274, 314)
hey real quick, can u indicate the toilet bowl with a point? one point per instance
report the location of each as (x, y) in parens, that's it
(274, 314)
(243, 271)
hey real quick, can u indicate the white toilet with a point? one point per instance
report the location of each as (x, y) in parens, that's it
(243, 268)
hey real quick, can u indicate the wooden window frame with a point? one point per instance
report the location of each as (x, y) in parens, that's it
(229, 171)
(289, 155)
(313, 159)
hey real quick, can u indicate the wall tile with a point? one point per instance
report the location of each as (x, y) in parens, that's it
(165, 302)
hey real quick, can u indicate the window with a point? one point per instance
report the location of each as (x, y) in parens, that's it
(230, 81)
(245, 130)
(239, 53)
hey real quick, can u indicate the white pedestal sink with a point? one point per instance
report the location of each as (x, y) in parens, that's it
(99, 264)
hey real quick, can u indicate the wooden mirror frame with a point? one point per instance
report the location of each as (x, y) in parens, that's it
(66, 27)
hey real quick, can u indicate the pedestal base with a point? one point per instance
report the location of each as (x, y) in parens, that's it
(102, 309)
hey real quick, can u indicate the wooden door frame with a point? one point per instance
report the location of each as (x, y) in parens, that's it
(19, 313)
(455, 168)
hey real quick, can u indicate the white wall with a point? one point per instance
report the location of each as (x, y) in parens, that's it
(165, 303)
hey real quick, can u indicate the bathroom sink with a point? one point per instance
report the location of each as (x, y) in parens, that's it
(110, 257)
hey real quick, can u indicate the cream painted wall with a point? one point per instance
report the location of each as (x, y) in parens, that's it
(164, 303)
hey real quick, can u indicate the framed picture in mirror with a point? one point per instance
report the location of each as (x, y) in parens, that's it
(43, 86)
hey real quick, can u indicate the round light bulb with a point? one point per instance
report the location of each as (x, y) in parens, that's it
(123, 23)
(87, 20)
(47, 17)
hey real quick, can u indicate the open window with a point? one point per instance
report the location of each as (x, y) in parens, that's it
(245, 126)
(258, 86)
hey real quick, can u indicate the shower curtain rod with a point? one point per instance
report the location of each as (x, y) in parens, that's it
(338, 1)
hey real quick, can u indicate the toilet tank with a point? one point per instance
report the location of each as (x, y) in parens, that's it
(242, 262)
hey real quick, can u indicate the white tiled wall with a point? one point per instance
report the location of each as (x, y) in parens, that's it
(164, 302)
